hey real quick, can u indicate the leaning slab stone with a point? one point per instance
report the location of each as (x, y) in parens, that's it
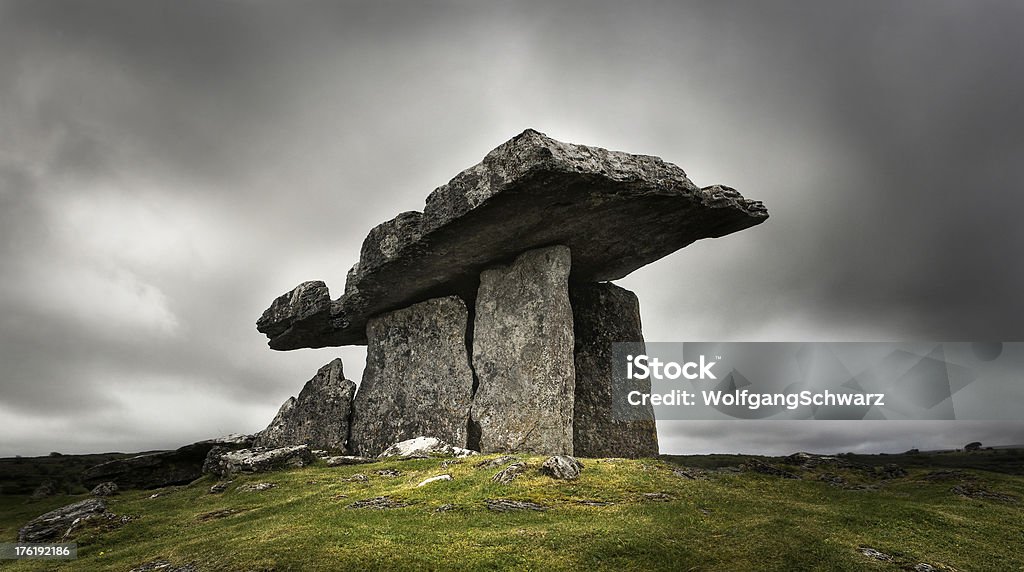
(425, 447)
(616, 211)
(318, 417)
(229, 463)
(523, 355)
(602, 315)
(417, 379)
(53, 525)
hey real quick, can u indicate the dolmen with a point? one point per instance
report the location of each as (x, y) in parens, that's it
(489, 316)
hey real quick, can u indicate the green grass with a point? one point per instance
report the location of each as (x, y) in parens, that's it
(729, 521)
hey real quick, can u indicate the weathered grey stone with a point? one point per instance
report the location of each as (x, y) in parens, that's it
(219, 487)
(318, 417)
(509, 473)
(344, 460)
(495, 462)
(562, 467)
(305, 309)
(164, 468)
(603, 314)
(378, 503)
(256, 487)
(616, 211)
(511, 505)
(105, 489)
(523, 355)
(53, 525)
(417, 379)
(425, 447)
(229, 463)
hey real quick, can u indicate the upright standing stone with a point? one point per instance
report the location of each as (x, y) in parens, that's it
(603, 314)
(523, 355)
(318, 417)
(417, 379)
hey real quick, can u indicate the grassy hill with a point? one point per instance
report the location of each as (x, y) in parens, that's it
(619, 515)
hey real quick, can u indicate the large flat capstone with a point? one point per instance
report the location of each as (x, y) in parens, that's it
(417, 379)
(615, 211)
(523, 356)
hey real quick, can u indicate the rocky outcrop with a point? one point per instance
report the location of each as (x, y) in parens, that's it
(161, 469)
(106, 489)
(523, 355)
(346, 460)
(229, 463)
(318, 417)
(52, 526)
(562, 467)
(421, 447)
(602, 315)
(417, 379)
(509, 473)
(617, 212)
(512, 505)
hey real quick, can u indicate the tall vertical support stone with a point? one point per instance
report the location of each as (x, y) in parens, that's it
(604, 313)
(523, 355)
(417, 380)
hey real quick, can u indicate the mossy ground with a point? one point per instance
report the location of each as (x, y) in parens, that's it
(725, 521)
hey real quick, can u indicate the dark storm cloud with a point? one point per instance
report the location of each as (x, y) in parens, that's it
(913, 227)
(166, 168)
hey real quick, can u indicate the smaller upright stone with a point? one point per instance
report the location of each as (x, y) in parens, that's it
(417, 380)
(319, 417)
(523, 355)
(603, 314)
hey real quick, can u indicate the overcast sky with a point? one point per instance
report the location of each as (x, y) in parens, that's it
(168, 168)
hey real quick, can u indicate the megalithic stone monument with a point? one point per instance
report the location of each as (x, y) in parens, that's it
(524, 239)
